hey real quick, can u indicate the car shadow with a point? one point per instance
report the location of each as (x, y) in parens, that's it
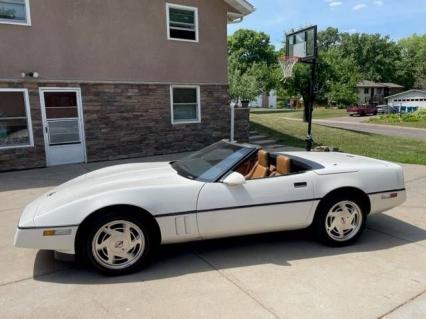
(281, 249)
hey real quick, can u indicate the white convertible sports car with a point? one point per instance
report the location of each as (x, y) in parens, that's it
(115, 217)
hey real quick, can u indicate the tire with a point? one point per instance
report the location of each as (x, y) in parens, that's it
(340, 221)
(117, 244)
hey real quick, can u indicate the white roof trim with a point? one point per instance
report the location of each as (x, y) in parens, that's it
(409, 91)
(241, 5)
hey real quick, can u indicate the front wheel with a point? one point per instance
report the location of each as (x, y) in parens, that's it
(340, 221)
(118, 245)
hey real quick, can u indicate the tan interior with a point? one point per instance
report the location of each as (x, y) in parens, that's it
(261, 168)
(283, 166)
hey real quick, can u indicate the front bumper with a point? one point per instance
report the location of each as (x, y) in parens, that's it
(62, 240)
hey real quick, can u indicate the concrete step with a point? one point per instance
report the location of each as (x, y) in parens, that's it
(265, 142)
(275, 146)
(258, 137)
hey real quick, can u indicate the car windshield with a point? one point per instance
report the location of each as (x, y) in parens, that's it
(210, 163)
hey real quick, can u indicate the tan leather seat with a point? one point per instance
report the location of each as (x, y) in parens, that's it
(283, 166)
(261, 168)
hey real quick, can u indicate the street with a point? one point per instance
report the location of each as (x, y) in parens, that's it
(356, 124)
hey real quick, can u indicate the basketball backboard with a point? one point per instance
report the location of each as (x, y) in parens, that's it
(302, 44)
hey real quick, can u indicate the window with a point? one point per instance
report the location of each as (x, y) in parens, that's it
(15, 119)
(379, 91)
(182, 23)
(366, 91)
(212, 162)
(185, 103)
(15, 12)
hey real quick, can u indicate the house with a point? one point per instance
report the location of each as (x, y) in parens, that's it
(93, 80)
(374, 93)
(266, 100)
(408, 101)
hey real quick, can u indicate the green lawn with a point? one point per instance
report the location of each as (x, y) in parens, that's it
(378, 120)
(292, 133)
(319, 113)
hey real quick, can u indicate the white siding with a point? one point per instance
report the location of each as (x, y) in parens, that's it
(410, 99)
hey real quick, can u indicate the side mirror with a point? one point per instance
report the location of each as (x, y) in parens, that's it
(234, 179)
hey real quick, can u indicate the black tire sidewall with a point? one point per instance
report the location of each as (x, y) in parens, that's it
(102, 220)
(321, 214)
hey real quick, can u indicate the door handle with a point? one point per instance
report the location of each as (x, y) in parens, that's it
(300, 185)
(46, 129)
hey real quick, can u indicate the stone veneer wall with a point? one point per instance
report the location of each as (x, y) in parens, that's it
(130, 120)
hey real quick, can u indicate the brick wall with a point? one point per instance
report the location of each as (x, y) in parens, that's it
(131, 120)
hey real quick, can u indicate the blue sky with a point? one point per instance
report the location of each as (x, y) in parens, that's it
(396, 18)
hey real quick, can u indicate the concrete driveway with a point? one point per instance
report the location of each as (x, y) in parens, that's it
(357, 123)
(285, 275)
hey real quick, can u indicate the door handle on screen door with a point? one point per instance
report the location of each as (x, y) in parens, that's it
(300, 185)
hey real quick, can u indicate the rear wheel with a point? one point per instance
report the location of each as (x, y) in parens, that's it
(117, 244)
(340, 221)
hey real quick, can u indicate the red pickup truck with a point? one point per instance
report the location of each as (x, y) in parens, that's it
(362, 110)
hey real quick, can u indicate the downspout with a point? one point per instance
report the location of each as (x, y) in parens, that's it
(238, 20)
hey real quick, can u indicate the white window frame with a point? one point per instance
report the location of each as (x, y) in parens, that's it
(27, 16)
(195, 121)
(178, 6)
(29, 121)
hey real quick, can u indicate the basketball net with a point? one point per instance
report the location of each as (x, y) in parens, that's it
(287, 64)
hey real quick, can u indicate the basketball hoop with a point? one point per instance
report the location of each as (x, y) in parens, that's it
(287, 64)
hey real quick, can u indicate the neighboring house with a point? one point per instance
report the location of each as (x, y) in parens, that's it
(98, 80)
(408, 101)
(264, 100)
(374, 93)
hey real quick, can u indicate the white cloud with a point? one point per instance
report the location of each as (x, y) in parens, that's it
(353, 30)
(334, 3)
(359, 6)
(378, 3)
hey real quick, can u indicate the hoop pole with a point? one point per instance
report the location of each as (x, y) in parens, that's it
(309, 139)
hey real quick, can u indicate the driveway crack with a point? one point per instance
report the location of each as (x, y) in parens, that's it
(33, 277)
(236, 284)
(396, 237)
(402, 305)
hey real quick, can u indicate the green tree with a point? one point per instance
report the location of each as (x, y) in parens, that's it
(347, 58)
(251, 51)
(413, 64)
(341, 77)
(268, 77)
(247, 47)
(242, 86)
(328, 38)
(374, 55)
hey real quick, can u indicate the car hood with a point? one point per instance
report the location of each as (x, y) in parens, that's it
(110, 179)
(324, 163)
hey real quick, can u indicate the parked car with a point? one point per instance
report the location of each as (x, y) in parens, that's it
(114, 218)
(381, 109)
(362, 110)
(388, 109)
